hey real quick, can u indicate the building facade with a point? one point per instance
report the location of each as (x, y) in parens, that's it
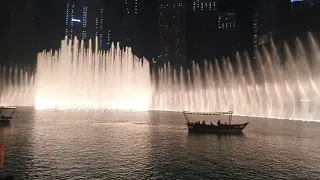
(84, 22)
(227, 34)
(202, 29)
(172, 31)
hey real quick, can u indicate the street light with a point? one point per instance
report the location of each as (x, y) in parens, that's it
(307, 101)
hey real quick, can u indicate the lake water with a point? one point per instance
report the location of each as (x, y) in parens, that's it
(154, 145)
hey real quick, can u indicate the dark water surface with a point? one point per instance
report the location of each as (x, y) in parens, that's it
(154, 145)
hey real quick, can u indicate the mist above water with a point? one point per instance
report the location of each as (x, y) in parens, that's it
(76, 78)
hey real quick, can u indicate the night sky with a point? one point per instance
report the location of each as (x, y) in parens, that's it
(41, 26)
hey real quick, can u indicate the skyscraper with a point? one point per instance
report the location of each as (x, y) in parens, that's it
(266, 21)
(304, 3)
(299, 4)
(84, 22)
(202, 28)
(256, 28)
(227, 34)
(203, 5)
(131, 21)
(99, 28)
(303, 17)
(172, 31)
(227, 21)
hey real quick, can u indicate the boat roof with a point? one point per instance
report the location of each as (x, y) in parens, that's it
(208, 113)
(8, 107)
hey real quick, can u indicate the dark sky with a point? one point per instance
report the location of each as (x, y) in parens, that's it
(50, 19)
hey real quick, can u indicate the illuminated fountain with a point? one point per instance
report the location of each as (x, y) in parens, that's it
(16, 87)
(75, 78)
(271, 88)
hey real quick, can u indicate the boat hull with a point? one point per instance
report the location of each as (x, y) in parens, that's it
(5, 120)
(233, 128)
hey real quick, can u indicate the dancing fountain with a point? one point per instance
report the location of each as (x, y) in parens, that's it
(272, 88)
(76, 78)
(16, 86)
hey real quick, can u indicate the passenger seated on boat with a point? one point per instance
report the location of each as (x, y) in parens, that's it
(219, 123)
(225, 123)
(211, 123)
(203, 123)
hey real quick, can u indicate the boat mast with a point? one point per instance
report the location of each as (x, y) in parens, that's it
(230, 118)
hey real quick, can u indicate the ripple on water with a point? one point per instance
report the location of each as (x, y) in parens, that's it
(99, 146)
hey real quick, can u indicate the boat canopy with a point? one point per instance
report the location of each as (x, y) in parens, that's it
(2, 108)
(209, 114)
(8, 107)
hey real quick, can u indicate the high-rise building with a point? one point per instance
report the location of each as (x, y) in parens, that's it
(131, 22)
(84, 22)
(299, 4)
(99, 28)
(132, 6)
(227, 21)
(302, 18)
(260, 35)
(266, 19)
(256, 28)
(203, 5)
(227, 34)
(304, 3)
(211, 32)
(202, 29)
(172, 30)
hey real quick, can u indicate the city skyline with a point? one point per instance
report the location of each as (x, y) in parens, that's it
(175, 31)
(84, 23)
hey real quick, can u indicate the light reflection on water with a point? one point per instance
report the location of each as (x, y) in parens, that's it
(154, 145)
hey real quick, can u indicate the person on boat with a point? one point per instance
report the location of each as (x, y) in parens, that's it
(203, 123)
(219, 123)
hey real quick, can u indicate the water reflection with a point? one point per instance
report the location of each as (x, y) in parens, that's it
(18, 142)
(212, 135)
(154, 145)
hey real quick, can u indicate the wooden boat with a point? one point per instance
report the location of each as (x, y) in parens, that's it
(198, 127)
(6, 117)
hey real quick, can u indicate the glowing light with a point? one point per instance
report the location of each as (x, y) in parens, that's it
(76, 20)
(119, 81)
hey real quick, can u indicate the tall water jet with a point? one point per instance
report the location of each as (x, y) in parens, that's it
(75, 78)
(274, 88)
(16, 86)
